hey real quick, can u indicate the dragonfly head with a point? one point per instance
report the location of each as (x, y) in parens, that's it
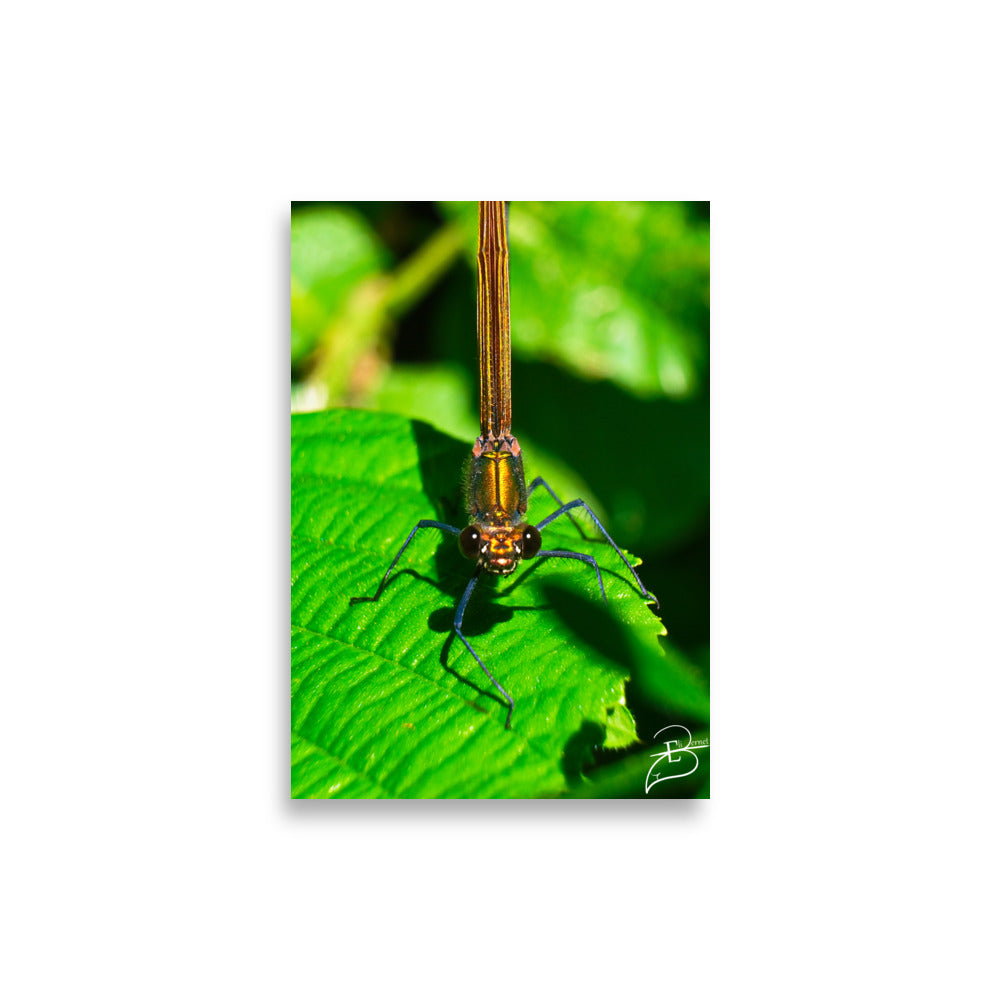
(499, 549)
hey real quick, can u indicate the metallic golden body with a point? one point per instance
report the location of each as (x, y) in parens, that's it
(496, 496)
(497, 501)
(493, 322)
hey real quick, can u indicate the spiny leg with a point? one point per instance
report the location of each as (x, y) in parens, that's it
(459, 614)
(409, 538)
(566, 507)
(538, 481)
(583, 557)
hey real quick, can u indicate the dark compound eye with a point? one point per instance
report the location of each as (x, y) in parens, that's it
(531, 542)
(468, 542)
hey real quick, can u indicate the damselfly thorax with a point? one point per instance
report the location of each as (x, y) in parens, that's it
(496, 502)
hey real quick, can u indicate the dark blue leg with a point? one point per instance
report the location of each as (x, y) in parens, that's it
(566, 507)
(459, 614)
(559, 554)
(409, 538)
(538, 481)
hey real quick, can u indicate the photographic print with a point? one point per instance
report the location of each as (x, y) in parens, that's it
(500, 500)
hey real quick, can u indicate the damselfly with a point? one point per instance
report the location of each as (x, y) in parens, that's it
(497, 536)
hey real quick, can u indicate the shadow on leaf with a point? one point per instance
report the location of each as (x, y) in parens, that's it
(580, 751)
(592, 623)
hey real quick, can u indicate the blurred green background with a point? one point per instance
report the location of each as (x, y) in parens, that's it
(610, 344)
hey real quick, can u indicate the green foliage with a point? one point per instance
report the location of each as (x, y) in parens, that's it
(332, 250)
(609, 332)
(385, 702)
(609, 290)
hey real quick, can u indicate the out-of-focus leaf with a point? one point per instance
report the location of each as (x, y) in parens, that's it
(610, 290)
(440, 394)
(385, 702)
(333, 249)
(646, 461)
(673, 685)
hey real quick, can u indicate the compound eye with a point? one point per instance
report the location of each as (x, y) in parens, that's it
(468, 542)
(531, 542)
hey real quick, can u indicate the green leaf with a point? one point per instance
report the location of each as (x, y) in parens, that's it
(385, 700)
(609, 290)
(332, 250)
